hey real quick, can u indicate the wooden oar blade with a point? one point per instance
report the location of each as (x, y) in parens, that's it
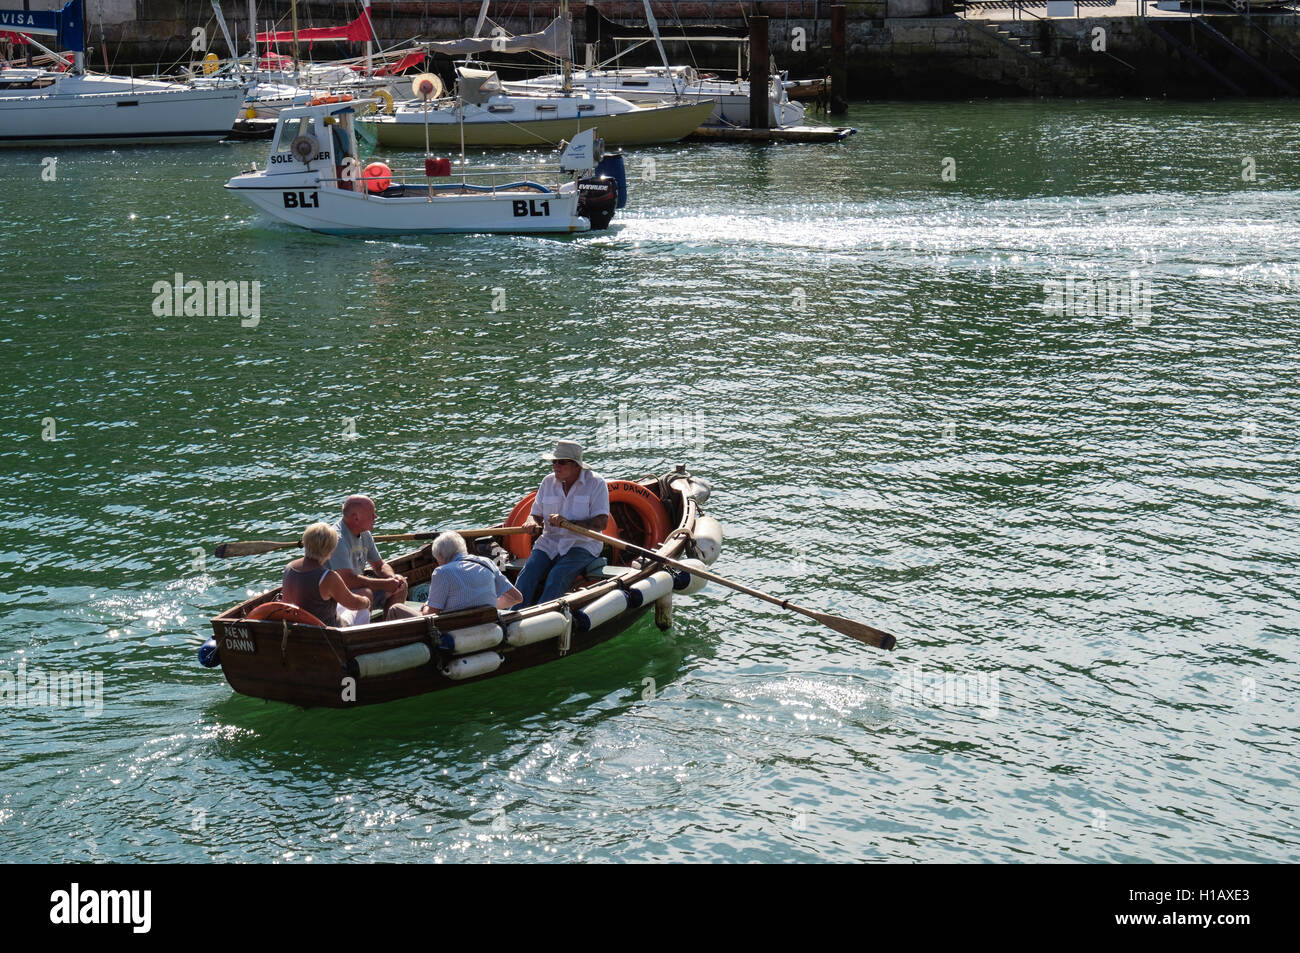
(252, 548)
(856, 630)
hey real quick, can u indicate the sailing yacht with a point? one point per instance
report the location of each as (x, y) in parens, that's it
(75, 107)
(730, 98)
(486, 113)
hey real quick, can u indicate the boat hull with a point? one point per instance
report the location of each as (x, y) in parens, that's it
(338, 212)
(146, 114)
(315, 666)
(652, 124)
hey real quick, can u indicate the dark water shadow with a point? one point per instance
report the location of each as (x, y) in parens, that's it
(473, 722)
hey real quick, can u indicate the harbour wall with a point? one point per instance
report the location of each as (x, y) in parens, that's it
(896, 49)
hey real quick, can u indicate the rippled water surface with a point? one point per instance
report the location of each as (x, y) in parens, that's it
(1082, 526)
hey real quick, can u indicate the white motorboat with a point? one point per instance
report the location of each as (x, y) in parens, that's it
(74, 107)
(314, 180)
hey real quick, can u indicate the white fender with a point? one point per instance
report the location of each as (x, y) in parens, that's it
(708, 539)
(473, 638)
(467, 666)
(603, 609)
(536, 628)
(696, 582)
(653, 587)
(393, 660)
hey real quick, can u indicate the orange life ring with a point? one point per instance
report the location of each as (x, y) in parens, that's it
(326, 100)
(286, 611)
(645, 509)
(521, 546)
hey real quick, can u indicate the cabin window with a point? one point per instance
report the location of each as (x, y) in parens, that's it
(546, 107)
(636, 82)
(128, 102)
(306, 126)
(585, 107)
(506, 108)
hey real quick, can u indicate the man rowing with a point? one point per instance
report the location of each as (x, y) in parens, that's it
(572, 491)
(356, 550)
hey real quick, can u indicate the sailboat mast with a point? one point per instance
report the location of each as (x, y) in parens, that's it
(654, 29)
(252, 33)
(482, 16)
(297, 68)
(568, 54)
(370, 35)
(221, 21)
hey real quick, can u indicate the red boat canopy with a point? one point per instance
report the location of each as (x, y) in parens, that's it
(19, 39)
(405, 63)
(358, 31)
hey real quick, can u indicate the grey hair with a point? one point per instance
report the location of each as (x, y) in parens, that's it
(446, 546)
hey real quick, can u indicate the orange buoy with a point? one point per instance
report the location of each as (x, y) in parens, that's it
(282, 611)
(377, 176)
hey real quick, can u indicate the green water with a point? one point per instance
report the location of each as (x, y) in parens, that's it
(1083, 527)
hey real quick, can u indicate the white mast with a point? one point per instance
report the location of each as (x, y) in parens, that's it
(297, 66)
(654, 28)
(482, 16)
(221, 21)
(370, 24)
(252, 33)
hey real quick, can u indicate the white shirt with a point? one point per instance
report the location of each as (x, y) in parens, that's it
(588, 497)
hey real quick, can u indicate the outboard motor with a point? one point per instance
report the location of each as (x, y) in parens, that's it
(612, 166)
(597, 199)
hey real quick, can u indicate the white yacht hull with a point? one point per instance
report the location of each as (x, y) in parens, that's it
(643, 86)
(107, 110)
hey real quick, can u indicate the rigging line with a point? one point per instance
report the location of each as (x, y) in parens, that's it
(690, 50)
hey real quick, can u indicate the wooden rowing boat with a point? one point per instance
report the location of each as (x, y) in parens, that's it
(280, 659)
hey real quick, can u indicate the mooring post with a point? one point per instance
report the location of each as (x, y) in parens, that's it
(758, 74)
(664, 612)
(839, 62)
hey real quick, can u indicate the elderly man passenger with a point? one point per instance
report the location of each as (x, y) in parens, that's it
(576, 493)
(461, 581)
(356, 550)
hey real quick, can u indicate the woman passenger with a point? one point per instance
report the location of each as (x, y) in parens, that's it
(310, 586)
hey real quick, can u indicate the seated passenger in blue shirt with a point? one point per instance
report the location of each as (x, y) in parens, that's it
(461, 581)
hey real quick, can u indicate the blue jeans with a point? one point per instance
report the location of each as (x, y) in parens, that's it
(558, 575)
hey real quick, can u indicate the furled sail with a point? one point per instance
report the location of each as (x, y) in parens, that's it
(556, 40)
(358, 31)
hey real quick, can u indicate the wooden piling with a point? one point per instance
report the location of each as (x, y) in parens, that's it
(664, 612)
(759, 77)
(839, 62)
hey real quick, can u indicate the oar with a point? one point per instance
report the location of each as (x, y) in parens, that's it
(854, 630)
(256, 547)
